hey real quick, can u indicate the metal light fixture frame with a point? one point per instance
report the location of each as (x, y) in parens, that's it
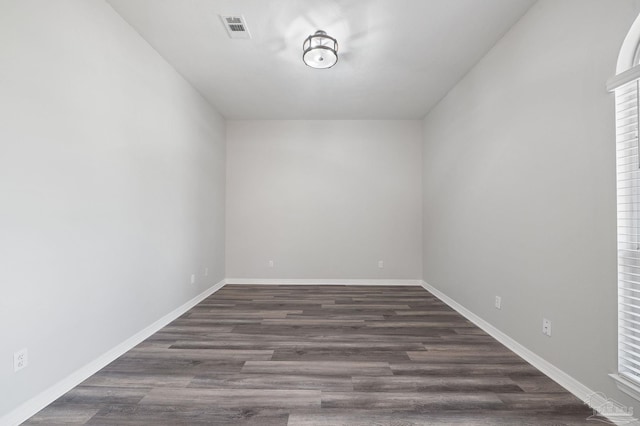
(332, 46)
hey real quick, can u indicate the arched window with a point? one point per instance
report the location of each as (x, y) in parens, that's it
(636, 56)
(626, 85)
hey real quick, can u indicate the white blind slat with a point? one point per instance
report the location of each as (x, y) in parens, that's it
(628, 195)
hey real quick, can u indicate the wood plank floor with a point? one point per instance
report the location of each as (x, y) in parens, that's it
(318, 355)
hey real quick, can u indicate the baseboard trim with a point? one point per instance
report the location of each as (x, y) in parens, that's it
(593, 399)
(40, 401)
(289, 281)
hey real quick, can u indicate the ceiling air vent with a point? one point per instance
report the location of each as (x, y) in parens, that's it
(236, 26)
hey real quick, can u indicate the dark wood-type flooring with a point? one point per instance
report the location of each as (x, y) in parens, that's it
(318, 355)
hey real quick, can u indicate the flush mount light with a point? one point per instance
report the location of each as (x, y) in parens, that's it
(320, 50)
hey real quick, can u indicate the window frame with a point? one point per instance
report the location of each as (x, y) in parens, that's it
(627, 104)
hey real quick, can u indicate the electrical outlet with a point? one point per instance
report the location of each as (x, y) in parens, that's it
(193, 278)
(206, 272)
(498, 302)
(271, 264)
(546, 327)
(20, 359)
(380, 264)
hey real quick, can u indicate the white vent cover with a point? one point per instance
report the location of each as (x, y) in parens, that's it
(236, 26)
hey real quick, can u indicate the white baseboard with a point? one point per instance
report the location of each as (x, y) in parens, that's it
(37, 403)
(590, 397)
(289, 281)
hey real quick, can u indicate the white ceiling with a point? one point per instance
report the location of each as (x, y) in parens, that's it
(397, 58)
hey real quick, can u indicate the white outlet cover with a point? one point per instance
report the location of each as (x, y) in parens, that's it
(546, 327)
(380, 264)
(498, 303)
(271, 264)
(193, 278)
(20, 359)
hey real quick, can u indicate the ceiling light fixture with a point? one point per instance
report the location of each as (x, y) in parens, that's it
(320, 50)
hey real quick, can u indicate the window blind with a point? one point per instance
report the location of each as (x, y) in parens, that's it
(628, 191)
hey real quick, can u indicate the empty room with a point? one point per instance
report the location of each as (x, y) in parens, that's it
(292, 212)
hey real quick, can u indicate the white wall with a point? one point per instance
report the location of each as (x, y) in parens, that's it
(519, 186)
(111, 189)
(324, 199)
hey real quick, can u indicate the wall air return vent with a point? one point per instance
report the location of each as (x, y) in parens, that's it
(236, 26)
